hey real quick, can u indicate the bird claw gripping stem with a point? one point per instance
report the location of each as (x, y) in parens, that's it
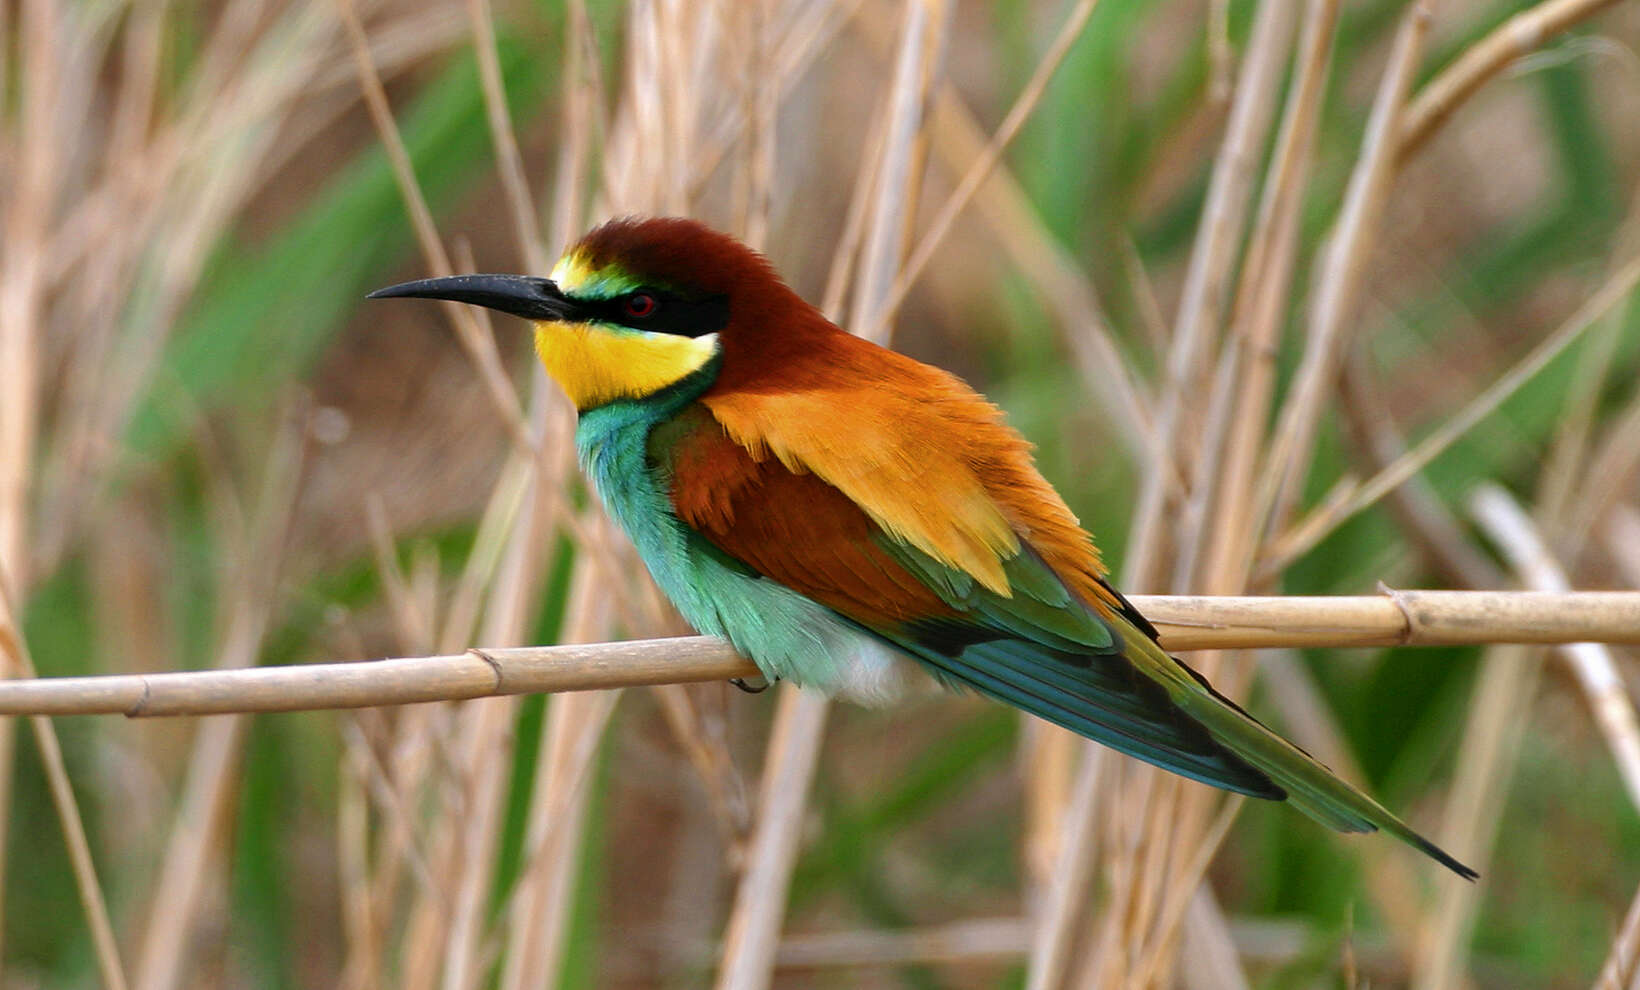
(746, 685)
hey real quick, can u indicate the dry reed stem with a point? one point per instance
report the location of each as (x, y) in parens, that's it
(1340, 279)
(1202, 299)
(537, 918)
(1623, 532)
(475, 826)
(1498, 712)
(1054, 275)
(893, 206)
(510, 164)
(1309, 531)
(508, 519)
(22, 219)
(839, 276)
(1155, 960)
(361, 928)
(1397, 618)
(1613, 462)
(1611, 472)
(753, 932)
(1051, 946)
(1261, 301)
(105, 948)
(387, 794)
(208, 791)
(18, 663)
(759, 103)
(1513, 532)
(985, 163)
(1571, 446)
(1158, 878)
(538, 914)
(1214, 961)
(470, 331)
(1621, 971)
(1515, 38)
(504, 565)
(792, 756)
(798, 47)
(582, 96)
(707, 751)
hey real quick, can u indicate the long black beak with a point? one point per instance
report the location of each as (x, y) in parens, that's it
(521, 295)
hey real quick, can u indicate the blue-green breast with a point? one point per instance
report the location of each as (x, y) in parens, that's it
(787, 635)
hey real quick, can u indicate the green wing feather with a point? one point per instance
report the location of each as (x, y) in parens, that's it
(1098, 672)
(1108, 679)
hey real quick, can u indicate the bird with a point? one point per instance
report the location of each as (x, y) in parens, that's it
(853, 520)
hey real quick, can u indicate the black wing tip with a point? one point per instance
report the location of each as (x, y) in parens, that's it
(1442, 857)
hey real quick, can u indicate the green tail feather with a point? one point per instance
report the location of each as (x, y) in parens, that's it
(1136, 699)
(1310, 786)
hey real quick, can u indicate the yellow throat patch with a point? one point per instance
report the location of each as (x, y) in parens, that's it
(595, 364)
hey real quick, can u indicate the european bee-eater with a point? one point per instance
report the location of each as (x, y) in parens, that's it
(847, 516)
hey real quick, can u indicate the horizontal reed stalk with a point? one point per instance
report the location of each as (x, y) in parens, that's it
(1395, 618)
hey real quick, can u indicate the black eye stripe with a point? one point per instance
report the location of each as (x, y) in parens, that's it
(687, 317)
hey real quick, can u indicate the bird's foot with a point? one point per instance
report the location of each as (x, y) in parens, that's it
(753, 685)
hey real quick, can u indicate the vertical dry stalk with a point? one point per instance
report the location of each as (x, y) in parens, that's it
(794, 742)
(896, 181)
(520, 202)
(1260, 303)
(1131, 919)
(1621, 970)
(1202, 302)
(18, 663)
(1341, 277)
(986, 161)
(753, 933)
(208, 790)
(539, 921)
(1491, 744)
(1623, 532)
(22, 218)
(472, 330)
(112, 196)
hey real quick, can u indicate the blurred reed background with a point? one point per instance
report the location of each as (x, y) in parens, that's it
(1275, 285)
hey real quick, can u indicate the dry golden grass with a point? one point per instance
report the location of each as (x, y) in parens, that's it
(847, 139)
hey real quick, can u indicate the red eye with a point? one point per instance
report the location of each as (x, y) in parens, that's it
(639, 305)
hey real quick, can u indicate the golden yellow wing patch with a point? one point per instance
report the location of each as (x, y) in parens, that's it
(894, 456)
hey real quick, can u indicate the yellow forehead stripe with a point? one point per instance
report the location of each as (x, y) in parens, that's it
(575, 277)
(596, 365)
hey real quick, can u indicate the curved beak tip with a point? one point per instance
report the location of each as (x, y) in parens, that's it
(521, 295)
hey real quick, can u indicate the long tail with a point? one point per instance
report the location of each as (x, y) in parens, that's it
(1132, 696)
(1309, 785)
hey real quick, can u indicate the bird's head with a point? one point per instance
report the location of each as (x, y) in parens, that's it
(640, 305)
